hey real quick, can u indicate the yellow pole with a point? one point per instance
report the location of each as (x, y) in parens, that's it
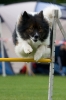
(24, 60)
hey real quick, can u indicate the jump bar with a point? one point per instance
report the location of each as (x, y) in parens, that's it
(24, 60)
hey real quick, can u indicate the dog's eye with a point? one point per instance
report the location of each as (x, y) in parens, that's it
(31, 29)
(40, 29)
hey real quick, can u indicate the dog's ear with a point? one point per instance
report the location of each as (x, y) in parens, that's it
(25, 15)
(41, 14)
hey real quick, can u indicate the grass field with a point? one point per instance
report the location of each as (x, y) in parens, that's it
(22, 87)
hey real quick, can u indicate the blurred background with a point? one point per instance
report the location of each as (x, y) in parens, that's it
(9, 10)
(17, 1)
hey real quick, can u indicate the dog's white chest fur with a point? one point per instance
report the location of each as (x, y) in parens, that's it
(29, 48)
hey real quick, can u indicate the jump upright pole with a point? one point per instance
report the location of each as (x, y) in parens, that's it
(2, 50)
(51, 74)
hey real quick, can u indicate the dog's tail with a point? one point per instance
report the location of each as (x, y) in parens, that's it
(48, 13)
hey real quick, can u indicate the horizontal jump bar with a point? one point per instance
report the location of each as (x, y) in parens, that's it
(24, 60)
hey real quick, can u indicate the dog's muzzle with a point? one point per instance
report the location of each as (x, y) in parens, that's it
(36, 37)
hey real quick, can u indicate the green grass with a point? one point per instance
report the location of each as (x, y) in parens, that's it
(22, 87)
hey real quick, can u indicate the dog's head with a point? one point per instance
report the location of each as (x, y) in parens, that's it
(34, 27)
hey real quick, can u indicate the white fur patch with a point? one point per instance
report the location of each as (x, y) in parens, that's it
(48, 13)
(42, 51)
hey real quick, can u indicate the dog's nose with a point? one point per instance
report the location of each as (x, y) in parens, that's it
(36, 36)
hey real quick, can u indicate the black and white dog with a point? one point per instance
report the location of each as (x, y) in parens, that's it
(33, 32)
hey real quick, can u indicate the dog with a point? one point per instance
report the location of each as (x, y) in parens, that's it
(33, 33)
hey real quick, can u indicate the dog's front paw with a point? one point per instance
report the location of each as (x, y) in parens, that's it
(28, 49)
(37, 56)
